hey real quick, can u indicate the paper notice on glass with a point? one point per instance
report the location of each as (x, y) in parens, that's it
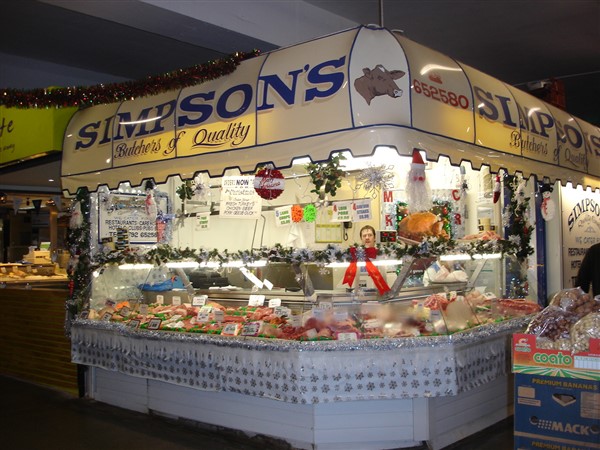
(361, 210)
(203, 220)
(239, 200)
(283, 216)
(342, 212)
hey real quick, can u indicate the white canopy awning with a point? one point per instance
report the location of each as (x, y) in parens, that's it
(353, 90)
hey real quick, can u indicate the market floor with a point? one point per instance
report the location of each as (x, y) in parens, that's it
(39, 417)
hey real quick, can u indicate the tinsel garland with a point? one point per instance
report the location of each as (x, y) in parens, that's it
(516, 213)
(83, 96)
(80, 267)
(430, 247)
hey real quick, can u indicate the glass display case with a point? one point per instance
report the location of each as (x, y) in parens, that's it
(427, 297)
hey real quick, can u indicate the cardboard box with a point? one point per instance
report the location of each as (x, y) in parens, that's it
(528, 358)
(556, 413)
(557, 396)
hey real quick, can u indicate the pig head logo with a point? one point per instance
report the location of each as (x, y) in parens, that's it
(378, 81)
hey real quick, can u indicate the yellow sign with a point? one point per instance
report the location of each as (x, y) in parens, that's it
(25, 133)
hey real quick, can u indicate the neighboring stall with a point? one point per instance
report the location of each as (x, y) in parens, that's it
(372, 96)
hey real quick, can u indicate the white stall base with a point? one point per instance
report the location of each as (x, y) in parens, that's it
(351, 425)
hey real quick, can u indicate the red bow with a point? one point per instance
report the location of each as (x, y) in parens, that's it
(370, 252)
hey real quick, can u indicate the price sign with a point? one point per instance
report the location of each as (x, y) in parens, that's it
(124, 311)
(160, 299)
(199, 300)
(107, 316)
(282, 311)
(176, 300)
(154, 324)
(274, 302)
(144, 309)
(347, 337)
(203, 316)
(84, 314)
(256, 300)
(318, 313)
(230, 329)
(325, 305)
(251, 328)
(219, 316)
(135, 324)
(109, 303)
(340, 316)
(296, 321)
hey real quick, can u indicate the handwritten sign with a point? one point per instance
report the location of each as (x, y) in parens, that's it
(239, 200)
(342, 212)
(256, 300)
(203, 220)
(361, 210)
(283, 216)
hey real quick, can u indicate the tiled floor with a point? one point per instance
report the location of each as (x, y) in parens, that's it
(35, 417)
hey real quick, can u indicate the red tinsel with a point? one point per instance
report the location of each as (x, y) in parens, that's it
(82, 96)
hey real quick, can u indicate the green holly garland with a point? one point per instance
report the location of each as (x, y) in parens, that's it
(80, 267)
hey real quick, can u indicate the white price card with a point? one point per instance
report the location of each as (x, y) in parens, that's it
(230, 329)
(176, 301)
(340, 316)
(199, 300)
(274, 302)
(124, 311)
(318, 313)
(347, 337)
(256, 300)
(144, 309)
(106, 317)
(219, 316)
(282, 311)
(160, 299)
(203, 316)
(325, 305)
(312, 333)
(251, 328)
(135, 324)
(296, 321)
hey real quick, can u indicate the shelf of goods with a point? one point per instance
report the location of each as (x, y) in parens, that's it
(426, 365)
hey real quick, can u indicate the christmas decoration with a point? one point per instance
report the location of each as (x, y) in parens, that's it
(80, 268)
(76, 216)
(310, 213)
(326, 177)
(151, 208)
(496, 191)
(516, 218)
(84, 96)
(418, 192)
(185, 191)
(297, 213)
(375, 178)
(548, 208)
(269, 182)
(365, 254)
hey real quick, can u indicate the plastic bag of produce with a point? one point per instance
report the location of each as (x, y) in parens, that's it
(577, 301)
(581, 332)
(552, 326)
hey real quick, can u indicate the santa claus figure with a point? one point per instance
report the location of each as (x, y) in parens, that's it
(418, 192)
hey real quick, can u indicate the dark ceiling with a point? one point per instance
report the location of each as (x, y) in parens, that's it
(516, 41)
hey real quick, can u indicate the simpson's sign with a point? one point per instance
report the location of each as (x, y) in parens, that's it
(342, 83)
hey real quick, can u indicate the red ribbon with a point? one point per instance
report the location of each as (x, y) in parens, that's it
(370, 252)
